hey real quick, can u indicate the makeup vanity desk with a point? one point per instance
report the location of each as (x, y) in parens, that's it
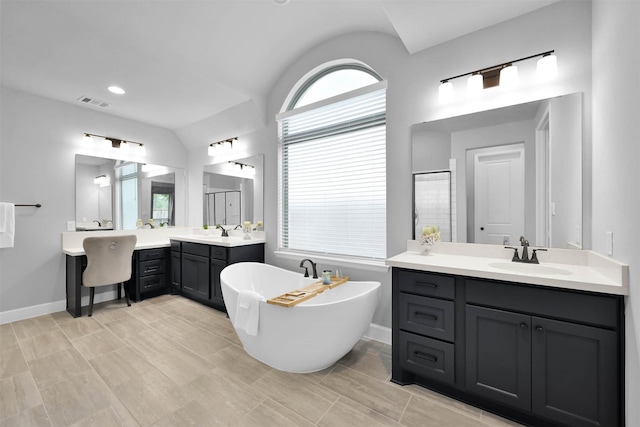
(152, 259)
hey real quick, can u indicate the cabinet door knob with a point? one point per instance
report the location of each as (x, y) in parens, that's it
(524, 326)
(539, 329)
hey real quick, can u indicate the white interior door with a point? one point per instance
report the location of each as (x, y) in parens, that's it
(499, 194)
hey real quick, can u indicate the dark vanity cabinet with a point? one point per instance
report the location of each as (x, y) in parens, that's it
(196, 268)
(538, 355)
(195, 271)
(218, 261)
(426, 326)
(149, 275)
(176, 269)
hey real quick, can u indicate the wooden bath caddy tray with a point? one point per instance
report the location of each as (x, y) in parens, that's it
(292, 298)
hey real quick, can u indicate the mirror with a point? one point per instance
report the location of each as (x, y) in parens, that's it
(233, 192)
(114, 194)
(511, 171)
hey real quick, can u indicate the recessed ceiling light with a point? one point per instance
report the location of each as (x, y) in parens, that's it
(281, 1)
(117, 90)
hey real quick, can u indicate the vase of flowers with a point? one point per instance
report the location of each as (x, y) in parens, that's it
(430, 235)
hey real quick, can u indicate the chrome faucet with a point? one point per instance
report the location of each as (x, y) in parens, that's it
(525, 253)
(306, 271)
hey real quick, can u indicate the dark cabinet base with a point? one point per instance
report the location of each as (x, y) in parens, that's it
(188, 269)
(533, 354)
(150, 273)
(196, 267)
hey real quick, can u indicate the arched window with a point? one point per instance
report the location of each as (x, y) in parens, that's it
(331, 82)
(332, 174)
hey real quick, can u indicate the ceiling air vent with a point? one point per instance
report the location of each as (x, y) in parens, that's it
(94, 102)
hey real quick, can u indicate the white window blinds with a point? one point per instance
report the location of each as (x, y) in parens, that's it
(332, 187)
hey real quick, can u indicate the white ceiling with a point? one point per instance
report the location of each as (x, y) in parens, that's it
(181, 61)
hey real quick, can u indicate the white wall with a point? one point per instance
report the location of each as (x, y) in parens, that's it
(39, 140)
(616, 156)
(565, 145)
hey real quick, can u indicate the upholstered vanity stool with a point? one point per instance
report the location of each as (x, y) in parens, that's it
(109, 261)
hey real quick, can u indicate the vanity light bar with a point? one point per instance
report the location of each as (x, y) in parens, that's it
(248, 169)
(221, 146)
(110, 142)
(505, 74)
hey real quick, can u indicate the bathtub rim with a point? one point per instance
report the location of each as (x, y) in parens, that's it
(365, 291)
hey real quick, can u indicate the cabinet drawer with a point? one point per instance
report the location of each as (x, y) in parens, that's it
(590, 309)
(153, 282)
(147, 254)
(427, 316)
(427, 284)
(154, 266)
(195, 249)
(427, 357)
(219, 252)
(175, 245)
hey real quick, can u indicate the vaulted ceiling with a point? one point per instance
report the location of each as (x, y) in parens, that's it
(182, 61)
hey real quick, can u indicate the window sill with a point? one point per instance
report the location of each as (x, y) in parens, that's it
(339, 261)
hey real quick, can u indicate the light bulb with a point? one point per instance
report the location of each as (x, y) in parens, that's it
(445, 92)
(105, 144)
(509, 76)
(474, 85)
(547, 68)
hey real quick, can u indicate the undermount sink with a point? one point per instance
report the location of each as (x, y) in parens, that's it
(518, 267)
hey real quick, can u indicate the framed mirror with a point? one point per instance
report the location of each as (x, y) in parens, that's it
(233, 192)
(120, 195)
(512, 171)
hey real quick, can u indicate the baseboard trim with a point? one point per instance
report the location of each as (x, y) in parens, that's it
(51, 307)
(378, 333)
(32, 311)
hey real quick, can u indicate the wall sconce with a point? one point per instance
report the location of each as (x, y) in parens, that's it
(221, 147)
(106, 142)
(505, 75)
(102, 180)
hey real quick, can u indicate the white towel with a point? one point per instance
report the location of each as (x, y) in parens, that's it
(7, 224)
(248, 311)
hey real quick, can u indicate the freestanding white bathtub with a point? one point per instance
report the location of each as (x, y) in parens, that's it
(307, 337)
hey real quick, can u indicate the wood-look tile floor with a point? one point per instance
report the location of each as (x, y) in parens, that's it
(169, 361)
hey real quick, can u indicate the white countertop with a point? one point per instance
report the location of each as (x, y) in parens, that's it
(231, 241)
(157, 238)
(560, 268)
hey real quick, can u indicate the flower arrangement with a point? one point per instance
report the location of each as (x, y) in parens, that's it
(430, 235)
